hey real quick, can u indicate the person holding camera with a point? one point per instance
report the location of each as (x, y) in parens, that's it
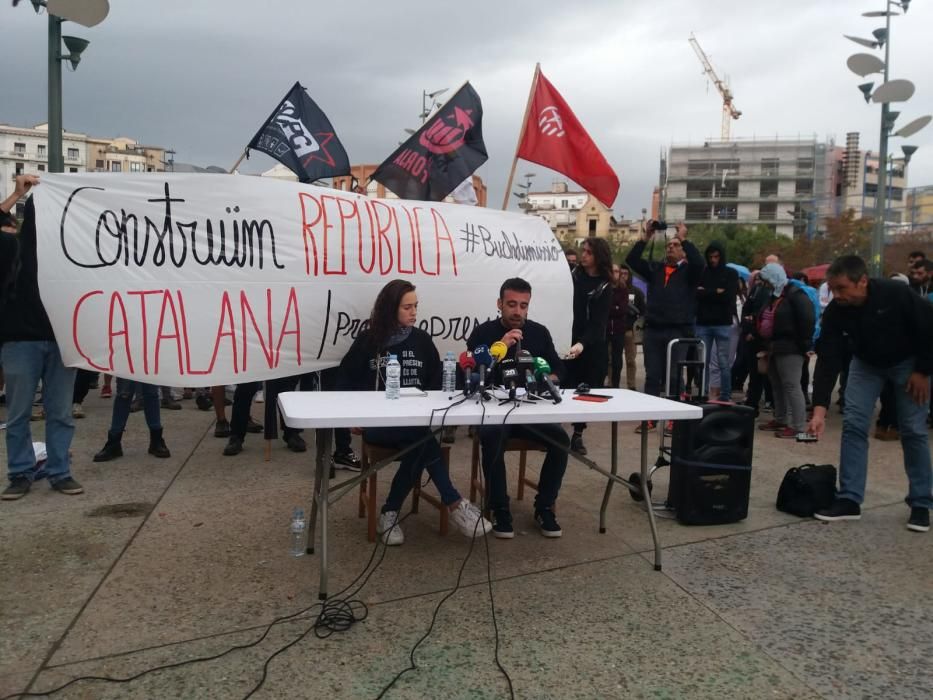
(671, 309)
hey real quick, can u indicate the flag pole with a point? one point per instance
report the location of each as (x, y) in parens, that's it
(239, 160)
(521, 136)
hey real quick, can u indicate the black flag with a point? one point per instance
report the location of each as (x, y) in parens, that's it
(441, 154)
(299, 135)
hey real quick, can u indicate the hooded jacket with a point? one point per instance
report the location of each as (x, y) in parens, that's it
(717, 290)
(671, 299)
(23, 316)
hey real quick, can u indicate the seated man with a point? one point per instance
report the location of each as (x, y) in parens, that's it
(511, 327)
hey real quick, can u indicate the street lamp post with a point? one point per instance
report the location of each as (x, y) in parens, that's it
(87, 13)
(889, 91)
(426, 109)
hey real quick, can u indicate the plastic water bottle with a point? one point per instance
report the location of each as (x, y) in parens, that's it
(450, 373)
(297, 531)
(393, 378)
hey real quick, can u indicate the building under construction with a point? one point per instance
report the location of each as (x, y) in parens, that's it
(789, 185)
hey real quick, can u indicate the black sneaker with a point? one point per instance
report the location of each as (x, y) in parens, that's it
(18, 488)
(841, 509)
(203, 402)
(253, 427)
(296, 443)
(347, 460)
(502, 524)
(170, 405)
(234, 446)
(222, 429)
(68, 486)
(919, 520)
(576, 445)
(111, 450)
(548, 523)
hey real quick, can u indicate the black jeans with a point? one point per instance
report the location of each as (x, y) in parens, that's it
(656, 340)
(590, 368)
(492, 439)
(83, 380)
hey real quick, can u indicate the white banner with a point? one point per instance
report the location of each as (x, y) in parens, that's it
(196, 280)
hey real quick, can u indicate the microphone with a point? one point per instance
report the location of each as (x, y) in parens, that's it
(484, 361)
(531, 386)
(510, 376)
(467, 364)
(543, 374)
(498, 350)
(525, 366)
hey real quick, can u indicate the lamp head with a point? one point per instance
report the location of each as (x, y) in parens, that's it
(866, 90)
(903, 3)
(908, 153)
(75, 48)
(881, 36)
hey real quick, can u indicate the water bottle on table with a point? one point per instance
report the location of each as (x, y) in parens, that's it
(393, 378)
(449, 384)
(297, 531)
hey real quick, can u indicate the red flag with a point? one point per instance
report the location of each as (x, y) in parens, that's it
(555, 138)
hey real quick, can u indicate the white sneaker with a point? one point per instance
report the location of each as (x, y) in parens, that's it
(467, 518)
(260, 397)
(389, 528)
(77, 410)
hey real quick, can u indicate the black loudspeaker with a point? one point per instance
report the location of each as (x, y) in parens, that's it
(711, 465)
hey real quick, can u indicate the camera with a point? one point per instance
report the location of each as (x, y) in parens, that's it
(657, 226)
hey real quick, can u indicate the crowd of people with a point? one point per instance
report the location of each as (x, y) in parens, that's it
(759, 328)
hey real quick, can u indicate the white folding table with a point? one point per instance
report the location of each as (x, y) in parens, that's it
(325, 410)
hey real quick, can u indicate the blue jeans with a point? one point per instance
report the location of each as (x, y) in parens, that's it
(425, 456)
(24, 364)
(126, 388)
(862, 391)
(722, 336)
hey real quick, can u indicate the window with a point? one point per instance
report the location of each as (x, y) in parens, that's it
(699, 167)
(563, 204)
(871, 189)
(19, 168)
(41, 167)
(728, 190)
(72, 154)
(767, 212)
(699, 190)
(72, 170)
(40, 149)
(770, 167)
(697, 212)
(99, 164)
(116, 167)
(19, 149)
(804, 187)
(136, 167)
(769, 188)
(592, 227)
(804, 166)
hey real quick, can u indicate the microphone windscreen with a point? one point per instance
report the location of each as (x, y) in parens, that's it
(499, 350)
(541, 366)
(482, 356)
(466, 360)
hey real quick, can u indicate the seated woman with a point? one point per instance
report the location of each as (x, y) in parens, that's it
(392, 331)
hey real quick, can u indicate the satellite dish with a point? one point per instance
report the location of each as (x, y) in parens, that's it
(913, 127)
(87, 13)
(862, 42)
(863, 64)
(893, 91)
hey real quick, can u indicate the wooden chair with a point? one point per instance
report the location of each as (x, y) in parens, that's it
(372, 454)
(520, 445)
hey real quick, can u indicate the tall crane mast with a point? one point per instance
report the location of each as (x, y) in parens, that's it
(728, 109)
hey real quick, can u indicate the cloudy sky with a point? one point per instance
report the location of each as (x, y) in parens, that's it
(200, 76)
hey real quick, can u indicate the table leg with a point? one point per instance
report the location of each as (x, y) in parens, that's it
(614, 469)
(322, 441)
(647, 493)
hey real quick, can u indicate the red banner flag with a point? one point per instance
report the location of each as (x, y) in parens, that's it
(555, 138)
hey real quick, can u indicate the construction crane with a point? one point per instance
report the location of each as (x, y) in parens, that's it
(728, 109)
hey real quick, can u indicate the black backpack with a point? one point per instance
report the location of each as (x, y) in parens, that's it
(807, 489)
